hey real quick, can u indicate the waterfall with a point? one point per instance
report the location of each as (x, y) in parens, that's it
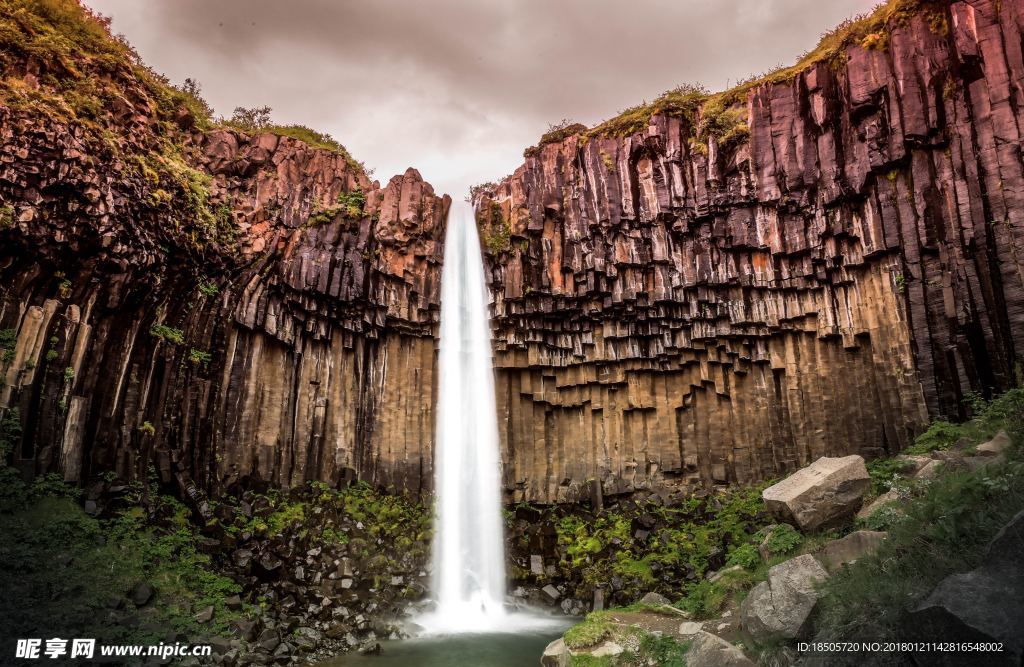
(468, 550)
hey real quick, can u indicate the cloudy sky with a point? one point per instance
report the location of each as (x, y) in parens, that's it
(457, 88)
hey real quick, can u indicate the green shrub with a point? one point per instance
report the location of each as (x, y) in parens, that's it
(783, 539)
(746, 556)
(168, 334)
(884, 471)
(199, 356)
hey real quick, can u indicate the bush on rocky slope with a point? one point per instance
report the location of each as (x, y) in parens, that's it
(943, 528)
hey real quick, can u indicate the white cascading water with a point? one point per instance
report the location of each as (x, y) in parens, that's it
(469, 551)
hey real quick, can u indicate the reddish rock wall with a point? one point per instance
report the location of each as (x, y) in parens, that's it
(307, 340)
(673, 313)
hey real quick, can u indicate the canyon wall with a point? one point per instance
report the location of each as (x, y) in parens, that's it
(669, 310)
(672, 306)
(227, 308)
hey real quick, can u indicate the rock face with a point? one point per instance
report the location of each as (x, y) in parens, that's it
(983, 605)
(824, 494)
(230, 308)
(710, 650)
(668, 311)
(782, 606)
(848, 549)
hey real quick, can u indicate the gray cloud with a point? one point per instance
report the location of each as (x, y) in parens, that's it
(458, 88)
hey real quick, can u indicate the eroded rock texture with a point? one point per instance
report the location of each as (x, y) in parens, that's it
(673, 313)
(294, 341)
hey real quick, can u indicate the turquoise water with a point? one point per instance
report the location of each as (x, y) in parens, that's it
(470, 650)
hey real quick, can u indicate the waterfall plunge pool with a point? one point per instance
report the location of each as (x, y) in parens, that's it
(506, 649)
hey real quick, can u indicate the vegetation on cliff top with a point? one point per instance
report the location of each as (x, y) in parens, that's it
(60, 61)
(723, 115)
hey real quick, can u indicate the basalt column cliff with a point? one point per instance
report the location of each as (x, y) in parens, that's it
(722, 288)
(227, 307)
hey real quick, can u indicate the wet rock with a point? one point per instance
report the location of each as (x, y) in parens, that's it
(552, 593)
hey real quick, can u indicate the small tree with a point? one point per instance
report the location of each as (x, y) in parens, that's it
(252, 119)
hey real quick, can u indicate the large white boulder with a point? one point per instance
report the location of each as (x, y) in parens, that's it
(824, 494)
(782, 606)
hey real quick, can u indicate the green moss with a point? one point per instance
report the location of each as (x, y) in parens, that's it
(6, 217)
(726, 124)
(495, 230)
(348, 205)
(199, 356)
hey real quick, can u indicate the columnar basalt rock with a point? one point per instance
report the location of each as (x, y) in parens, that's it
(672, 311)
(290, 338)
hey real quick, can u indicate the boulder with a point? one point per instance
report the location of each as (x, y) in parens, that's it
(608, 649)
(930, 470)
(994, 447)
(690, 628)
(654, 598)
(204, 615)
(887, 498)
(912, 463)
(551, 592)
(984, 605)
(824, 494)
(141, 593)
(708, 650)
(537, 565)
(851, 547)
(556, 654)
(782, 606)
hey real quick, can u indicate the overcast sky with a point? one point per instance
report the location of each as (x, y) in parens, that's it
(457, 88)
